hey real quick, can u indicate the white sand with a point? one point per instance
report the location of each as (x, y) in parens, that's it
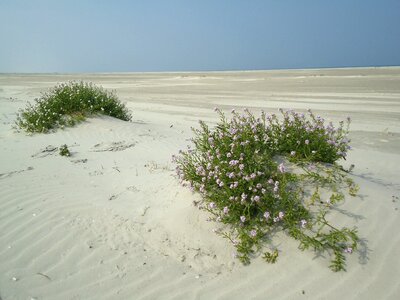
(119, 226)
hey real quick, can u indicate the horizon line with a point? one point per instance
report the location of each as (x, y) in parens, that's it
(206, 71)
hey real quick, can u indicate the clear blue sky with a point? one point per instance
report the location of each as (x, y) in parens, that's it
(173, 35)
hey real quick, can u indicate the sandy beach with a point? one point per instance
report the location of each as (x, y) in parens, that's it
(112, 221)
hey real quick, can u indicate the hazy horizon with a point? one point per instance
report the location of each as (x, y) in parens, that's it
(91, 36)
(204, 71)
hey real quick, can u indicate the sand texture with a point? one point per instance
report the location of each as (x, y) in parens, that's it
(112, 221)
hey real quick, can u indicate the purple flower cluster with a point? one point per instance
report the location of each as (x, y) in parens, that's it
(309, 137)
(234, 168)
(225, 164)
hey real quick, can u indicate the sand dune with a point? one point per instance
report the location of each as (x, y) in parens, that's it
(112, 222)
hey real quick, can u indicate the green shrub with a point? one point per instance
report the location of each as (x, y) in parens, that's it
(309, 138)
(69, 103)
(64, 151)
(241, 168)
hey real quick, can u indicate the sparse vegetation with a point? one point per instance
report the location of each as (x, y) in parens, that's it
(260, 175)
(64, 151)
(70, 103)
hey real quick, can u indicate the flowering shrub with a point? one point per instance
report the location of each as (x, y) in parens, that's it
(241, 168)
(309, 138)
(69, 103)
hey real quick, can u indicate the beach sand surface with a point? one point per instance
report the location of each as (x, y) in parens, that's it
(113, 222)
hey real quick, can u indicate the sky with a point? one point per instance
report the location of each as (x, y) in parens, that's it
(73, 36)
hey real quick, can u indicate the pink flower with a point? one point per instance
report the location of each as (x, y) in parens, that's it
(242, 219)
(212, 205)
(281, 215)
(348, 250)
(233, 162)
(281, 168)
(226, 210)
(253, 233)
(233, 131)
(266, 215)
(292, 153)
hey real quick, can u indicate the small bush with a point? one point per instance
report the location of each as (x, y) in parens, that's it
(308, 138)
(242, 170)
(70, 103)
(64, 151)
